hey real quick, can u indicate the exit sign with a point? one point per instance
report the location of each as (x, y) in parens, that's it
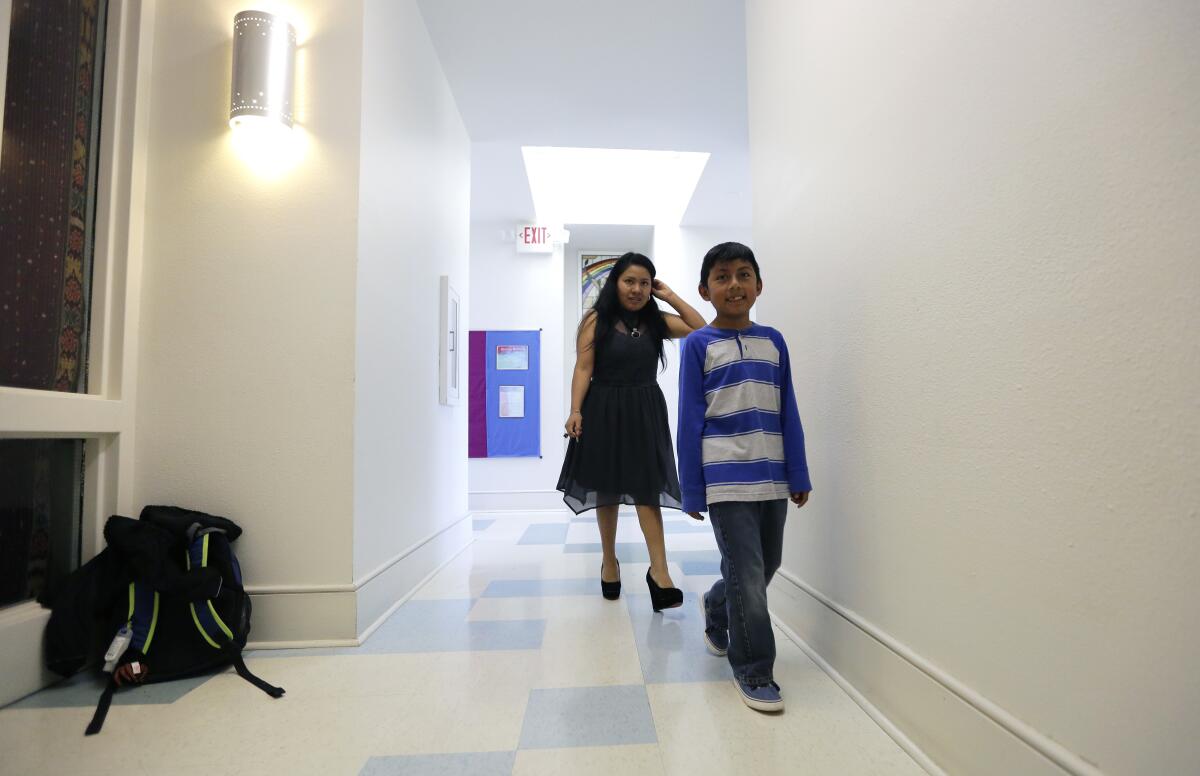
(536, 239)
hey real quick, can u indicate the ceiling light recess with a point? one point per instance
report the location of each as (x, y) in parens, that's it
(611, 185)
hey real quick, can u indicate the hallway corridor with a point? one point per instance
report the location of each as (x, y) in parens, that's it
(505, 661)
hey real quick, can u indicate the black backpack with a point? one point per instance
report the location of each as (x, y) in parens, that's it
(164, 598)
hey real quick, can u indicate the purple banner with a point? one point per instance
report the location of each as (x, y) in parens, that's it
(477, 399)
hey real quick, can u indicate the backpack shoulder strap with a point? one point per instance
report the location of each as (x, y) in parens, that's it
(101, 712)
(209, 623)
(143, 615)
(204, 614)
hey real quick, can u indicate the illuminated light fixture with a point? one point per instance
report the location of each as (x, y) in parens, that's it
(264, 69)
(611, 186)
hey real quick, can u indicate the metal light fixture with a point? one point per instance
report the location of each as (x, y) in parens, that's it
(264, 67)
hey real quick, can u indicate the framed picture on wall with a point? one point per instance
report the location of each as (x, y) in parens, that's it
(594, 267)
(448, 339)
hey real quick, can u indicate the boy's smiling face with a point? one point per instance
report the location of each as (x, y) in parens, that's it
(733, 286)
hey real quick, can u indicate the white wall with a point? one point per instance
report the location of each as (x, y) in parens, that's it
(520, 291)
(246, 386)
(289, 350)
(990, 217)
(678, 253)
(5, 22)
(410, 452)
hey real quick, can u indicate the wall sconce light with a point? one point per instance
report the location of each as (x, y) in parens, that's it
(264, 68)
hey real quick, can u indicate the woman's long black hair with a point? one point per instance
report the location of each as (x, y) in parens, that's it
(609, 310)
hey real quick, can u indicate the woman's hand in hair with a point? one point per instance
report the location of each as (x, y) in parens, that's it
(574, 425)
(661, 290)
(688, 319)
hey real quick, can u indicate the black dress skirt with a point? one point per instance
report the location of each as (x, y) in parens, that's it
(624, 455)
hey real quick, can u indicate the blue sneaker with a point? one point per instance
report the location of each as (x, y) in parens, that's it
(761, 697)
(716, 640)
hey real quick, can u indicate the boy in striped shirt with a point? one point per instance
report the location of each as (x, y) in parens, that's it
(741, 458)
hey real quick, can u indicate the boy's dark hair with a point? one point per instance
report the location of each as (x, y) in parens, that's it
(726, 251)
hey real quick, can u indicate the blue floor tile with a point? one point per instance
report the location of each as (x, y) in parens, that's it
(441, 626)
(462, 764)
(531, 588)
(630, 552)
(545, 533)
(695, 556)
(436, 626)
(481, 524)
(670, 644)
(635, 552)
(690, 527)
(587, 716)
(701, 568)
(83, 690)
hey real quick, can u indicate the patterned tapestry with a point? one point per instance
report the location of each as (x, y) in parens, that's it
(47, 191)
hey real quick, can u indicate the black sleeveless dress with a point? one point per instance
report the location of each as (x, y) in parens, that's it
(624, 455)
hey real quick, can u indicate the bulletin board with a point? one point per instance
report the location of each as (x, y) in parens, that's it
(505, 394)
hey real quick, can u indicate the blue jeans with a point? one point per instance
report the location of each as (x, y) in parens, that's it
(750, 537)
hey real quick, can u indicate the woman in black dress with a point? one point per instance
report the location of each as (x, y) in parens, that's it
(624, 455)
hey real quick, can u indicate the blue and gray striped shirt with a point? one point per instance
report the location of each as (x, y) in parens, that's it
(740, 437)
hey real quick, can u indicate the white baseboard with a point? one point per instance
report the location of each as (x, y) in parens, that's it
(907, 744)
(22, 668)
(302, 616)
(381, 592)
(366, 632)
(946, 726)
(342, 615)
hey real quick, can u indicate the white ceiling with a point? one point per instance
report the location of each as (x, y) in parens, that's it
(641, 74)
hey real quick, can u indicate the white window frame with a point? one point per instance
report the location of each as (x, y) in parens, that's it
(104, 416)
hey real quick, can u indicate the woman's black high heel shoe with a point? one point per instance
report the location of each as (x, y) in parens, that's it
(611, 590)
(663, 597)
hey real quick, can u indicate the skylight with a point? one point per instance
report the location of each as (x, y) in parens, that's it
(611, 186)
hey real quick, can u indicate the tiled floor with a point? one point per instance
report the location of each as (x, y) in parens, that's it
(508, 661)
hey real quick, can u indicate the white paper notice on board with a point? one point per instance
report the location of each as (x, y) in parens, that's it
(512, 357)
(512, 401)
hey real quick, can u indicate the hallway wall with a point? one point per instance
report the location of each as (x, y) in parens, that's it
(5, 23)
(519, 291)
(289, 356)
(678, 253)
(246, 385)
(410, 452)
(988, 213)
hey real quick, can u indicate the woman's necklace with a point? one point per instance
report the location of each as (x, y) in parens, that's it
(633, 330)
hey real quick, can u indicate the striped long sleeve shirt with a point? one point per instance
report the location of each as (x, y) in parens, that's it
(739, 437)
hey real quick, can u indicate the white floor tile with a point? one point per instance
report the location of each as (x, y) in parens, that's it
(341, 710)
(638, 760)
